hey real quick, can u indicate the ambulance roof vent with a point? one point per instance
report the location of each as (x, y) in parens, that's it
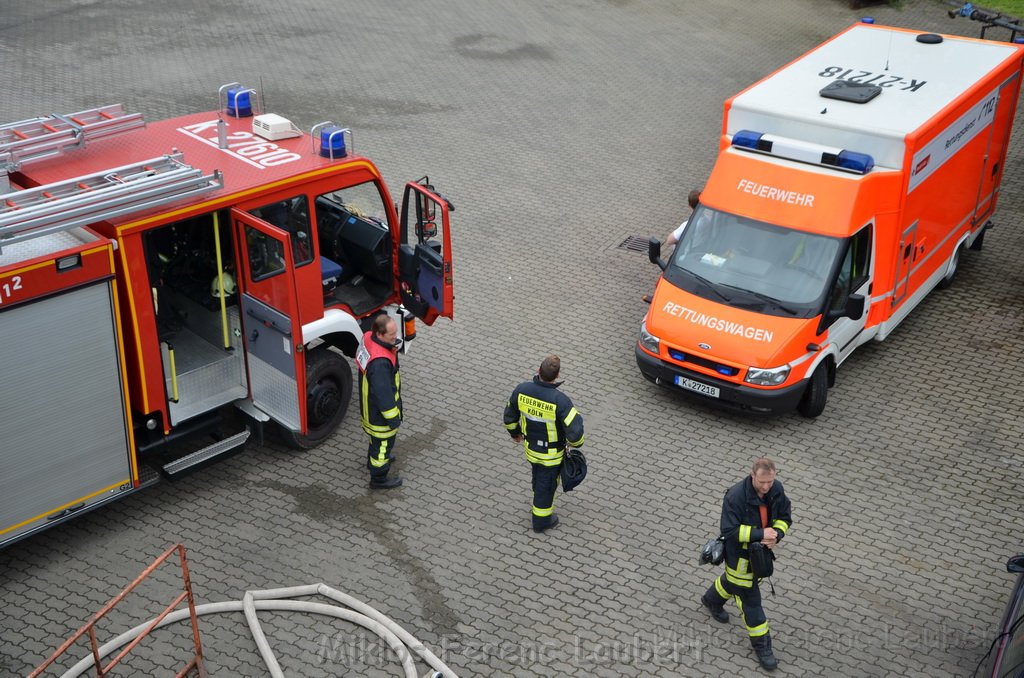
(802, 151)
(848, 90)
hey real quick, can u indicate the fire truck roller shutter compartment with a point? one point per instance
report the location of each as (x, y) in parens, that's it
(65, 446)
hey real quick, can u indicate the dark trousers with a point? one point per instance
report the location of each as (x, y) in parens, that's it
(545, 482)
(748, 600)
(379, 457)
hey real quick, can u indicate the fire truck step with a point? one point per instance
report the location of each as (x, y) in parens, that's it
(221, 448)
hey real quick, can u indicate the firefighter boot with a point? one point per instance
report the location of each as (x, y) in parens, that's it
(763, 648)
(385, 483)
(713, 602)
(539, 526)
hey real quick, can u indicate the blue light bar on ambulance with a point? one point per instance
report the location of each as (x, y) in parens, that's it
(793, 149)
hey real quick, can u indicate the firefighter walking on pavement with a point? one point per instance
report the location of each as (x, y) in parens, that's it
(380, 397)
(545, 421)
(755, 512)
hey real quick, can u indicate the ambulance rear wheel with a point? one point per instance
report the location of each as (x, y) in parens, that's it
(979, 241)
(947, 280)
(813, 402)
(328, 392)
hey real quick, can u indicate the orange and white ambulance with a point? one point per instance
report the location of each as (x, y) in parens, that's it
(847, 186)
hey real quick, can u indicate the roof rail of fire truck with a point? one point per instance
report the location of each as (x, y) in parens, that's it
(63, 205)
(35, 139)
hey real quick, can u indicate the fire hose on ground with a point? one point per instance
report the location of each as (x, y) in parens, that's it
(402, 643)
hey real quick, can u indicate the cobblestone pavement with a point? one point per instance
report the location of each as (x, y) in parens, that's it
(558, 129)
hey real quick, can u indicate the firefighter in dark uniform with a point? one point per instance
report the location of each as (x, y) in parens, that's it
(545, 421)
(380, 397)
(754, 510)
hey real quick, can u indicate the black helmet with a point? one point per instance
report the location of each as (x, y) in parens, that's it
(713, 552)
(574, 469)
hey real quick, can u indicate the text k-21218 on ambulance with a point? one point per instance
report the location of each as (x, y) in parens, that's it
(848, 185)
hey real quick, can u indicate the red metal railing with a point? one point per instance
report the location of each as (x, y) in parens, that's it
(195, 663)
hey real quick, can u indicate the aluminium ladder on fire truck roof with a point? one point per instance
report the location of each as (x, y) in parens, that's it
(28, 141)
(84, 200)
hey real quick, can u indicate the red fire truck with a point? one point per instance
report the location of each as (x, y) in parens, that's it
(177, 285)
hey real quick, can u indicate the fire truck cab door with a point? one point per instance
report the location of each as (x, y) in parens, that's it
(425, 253)
(272, 332)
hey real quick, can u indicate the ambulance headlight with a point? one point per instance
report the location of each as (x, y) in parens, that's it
(772, 376)
(648, 340)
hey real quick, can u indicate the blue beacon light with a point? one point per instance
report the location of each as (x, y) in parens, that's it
(239, 103)
(332, 142)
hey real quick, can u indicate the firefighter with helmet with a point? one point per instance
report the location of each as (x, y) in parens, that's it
(380, 397)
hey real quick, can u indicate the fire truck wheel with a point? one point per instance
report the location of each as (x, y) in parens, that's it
(947, 280)
(328, 391)
(813, 402)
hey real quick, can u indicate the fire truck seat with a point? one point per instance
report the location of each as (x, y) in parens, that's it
(330, 273)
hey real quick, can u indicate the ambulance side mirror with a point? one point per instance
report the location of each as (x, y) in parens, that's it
(853, 309)
(855, 306)
(654, 253)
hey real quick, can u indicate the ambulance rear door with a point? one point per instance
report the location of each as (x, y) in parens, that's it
(270, 324)
(998, 136)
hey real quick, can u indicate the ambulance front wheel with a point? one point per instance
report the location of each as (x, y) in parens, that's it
(328, 392)
(813, 402)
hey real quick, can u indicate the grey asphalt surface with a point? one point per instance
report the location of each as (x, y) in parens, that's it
(558, 130)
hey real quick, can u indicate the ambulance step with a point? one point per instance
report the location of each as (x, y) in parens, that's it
(207, 455)
(27, 141)
(85, 200)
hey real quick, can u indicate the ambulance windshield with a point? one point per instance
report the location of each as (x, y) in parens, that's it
(753, 265)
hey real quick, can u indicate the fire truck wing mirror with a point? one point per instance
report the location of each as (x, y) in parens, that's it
(654, 253)
(427, 229)
(427, 208)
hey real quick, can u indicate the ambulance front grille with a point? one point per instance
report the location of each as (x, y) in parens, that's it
(725, 370)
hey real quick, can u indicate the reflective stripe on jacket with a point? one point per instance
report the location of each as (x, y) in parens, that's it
(547, 420)
(380, 393)
(741, 525)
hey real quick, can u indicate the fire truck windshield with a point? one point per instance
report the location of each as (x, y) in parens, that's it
(750, 264)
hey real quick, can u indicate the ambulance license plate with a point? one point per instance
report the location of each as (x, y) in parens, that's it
(696, 386)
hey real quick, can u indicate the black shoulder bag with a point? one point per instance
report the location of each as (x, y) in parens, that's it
(762, 558)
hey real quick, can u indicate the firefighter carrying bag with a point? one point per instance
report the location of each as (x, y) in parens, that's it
(762, 559)
(574, 468)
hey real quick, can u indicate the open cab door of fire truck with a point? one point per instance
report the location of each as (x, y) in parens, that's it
(270, 325)
(425, 253)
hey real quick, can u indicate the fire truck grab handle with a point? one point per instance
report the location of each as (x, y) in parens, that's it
(68, 511)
